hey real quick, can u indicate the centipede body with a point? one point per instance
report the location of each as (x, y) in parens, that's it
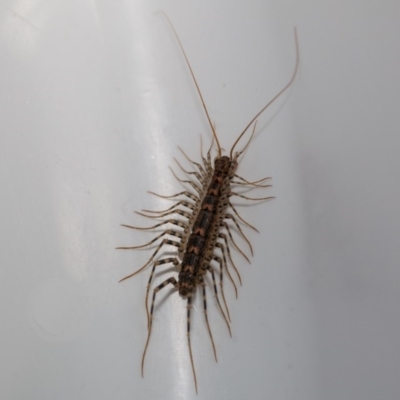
(200, 229)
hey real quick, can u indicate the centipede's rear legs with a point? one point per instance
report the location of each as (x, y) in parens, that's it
(170, 260)
(203, 285)
(172, 281)
(189, 308)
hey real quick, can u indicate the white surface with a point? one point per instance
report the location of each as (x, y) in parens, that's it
(95, 97)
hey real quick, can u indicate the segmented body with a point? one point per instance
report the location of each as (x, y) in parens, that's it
(194, 264)
(204, 228)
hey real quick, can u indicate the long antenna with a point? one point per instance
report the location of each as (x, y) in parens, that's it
(276, 96)
(195, 82)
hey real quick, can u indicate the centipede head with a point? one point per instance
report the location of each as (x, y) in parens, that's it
(222, 163)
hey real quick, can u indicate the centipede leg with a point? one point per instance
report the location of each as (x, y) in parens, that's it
(192, 184)
(199, 166)
(256, 183)
(252, 198)
(244, 221)
(189, 307)
(199, 177)
(183, 203)
(167, 232)
(179, 212)
(172, 281)
(230, 216)
(172, 196)
(220, 245)
(172, 260)
(227, 317)
(206, 318)
(228, 230)
(165, 241)
(168, 221)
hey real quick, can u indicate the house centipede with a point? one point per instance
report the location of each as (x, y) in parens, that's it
(205, 227)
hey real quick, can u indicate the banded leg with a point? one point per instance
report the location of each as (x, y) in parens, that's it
(207, 162)
(172, 260)
(252, 185)
(222, 248)
(199, 166)
(184, 193)
(206, 317)
(192, 184)
(255, 183)
(230, 216)
(223, 236)
(189, 307)
(200, 178)
(252, 198)
(165, 241)
(179, 212)
(172, 281)
(168, 221)
(245, 222)
(223, 224)
(167, 232)
(221, 284)
(183, 203)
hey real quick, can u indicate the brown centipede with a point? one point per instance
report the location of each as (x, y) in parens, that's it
(204, 228)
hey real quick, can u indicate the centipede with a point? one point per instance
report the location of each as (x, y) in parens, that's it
(199, 225)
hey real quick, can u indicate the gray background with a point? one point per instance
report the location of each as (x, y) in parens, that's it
(94, 99)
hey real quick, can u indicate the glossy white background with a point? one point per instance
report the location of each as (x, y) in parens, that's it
(94, 99)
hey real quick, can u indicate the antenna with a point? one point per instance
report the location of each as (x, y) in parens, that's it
(195, 81)
(276, 96)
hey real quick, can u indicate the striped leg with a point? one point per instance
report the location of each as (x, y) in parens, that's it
(209, 268)
(245, 222)
(172, 212)
(163, 261)
(189, 308)
(203, 173)
(172, 260)
(165, 241)
(206, 317)
(223, 236)
(167, 221)
(222, 248)
(172, 196)
(199, 177)
(184, 203)
(226, 226)
(172, 281)
(230, 216)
